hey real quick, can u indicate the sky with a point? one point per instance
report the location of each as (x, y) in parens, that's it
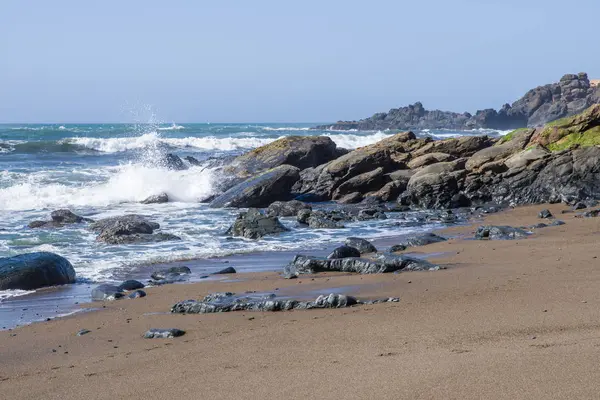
(282, 61)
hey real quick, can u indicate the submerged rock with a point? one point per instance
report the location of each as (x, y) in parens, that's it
(493, 232)
(254, 225)
(171, 273)
(156, 199)
(287, 208)
(60, 218)
(344, 252)
(362, 245)
(35, 270)
(107, 292)
(170, 333)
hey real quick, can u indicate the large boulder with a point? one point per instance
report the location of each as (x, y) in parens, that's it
(260, 191)
(429, 158)
(128, 229)
(434, 190)
(254, 225)
(35, 270)
(464, 146)
(363, 183)
(512, 143)
(298, 151)
(362, 245)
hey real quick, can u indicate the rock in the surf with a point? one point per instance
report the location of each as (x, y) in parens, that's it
(131, 284)
(417, 240)
(158, 333)
(362, 245)
(106, 292)
(287, 208)
(254, 225)
(226, 271)
(127, 229)
(35, 270)
(156, 199)
(261, 190)
(171, 273)
(493, 232)
(60, 218)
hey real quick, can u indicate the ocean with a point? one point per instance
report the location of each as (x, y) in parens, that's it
(103, 170)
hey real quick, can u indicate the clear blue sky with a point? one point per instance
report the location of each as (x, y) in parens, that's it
(263, 60)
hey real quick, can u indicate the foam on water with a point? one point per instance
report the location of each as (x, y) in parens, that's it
(7, 294)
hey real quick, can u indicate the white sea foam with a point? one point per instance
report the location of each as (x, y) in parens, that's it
(7, 294)
(127, 183)
(350, 141)
(173, 127)
(285, 128)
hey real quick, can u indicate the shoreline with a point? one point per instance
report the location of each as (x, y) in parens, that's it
(494, 324)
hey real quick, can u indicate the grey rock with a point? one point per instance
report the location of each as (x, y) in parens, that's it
(493, 232)
(128, 229)
(136, 294)
(131, 284)
(418, 240)
(170, 273)
(395, 262)
(156, 333)
(344, 252)
(156, 199)
(362, 245)
(35, 270)
(83, 332)
(106, 292)
(254, 225)
(225, 271)
(545, 213)
(287, 208)
(60, 218)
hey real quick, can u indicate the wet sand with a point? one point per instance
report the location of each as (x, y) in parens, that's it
(507, 320)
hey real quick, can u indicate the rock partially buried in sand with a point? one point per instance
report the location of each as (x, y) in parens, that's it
(493, 232)
(171, 273)
(136, 294)
(544, 214)
(169, 333)
(35, 270)
(362, 245)
(418, 240)
(254, 225)
(107, 292)
(225, 271)
(344, 252)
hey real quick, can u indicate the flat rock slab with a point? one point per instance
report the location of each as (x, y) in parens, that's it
(156, 333)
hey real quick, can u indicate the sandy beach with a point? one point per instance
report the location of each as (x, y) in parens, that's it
(506, 320)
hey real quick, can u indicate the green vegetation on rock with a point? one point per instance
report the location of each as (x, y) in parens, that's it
(509, 136)
(591, 137)
(581, 130)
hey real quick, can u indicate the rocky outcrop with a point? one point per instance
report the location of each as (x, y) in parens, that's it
(298, 151)
(254, 225)
(262, 190)
(128, 229)
(287, 208)
(35, 270)
(570, 96)
(60, 218)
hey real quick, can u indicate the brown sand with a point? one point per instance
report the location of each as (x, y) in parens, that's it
(506, 320)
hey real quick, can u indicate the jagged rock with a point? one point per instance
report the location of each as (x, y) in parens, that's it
(362, 183)
(493, 232)
(35, 270)
(545, 213)
(434, 190)
(156, 199)
(261, 190)
(228, 270)
(60, 218)
(173, 162)
(405, 263)
(107, 292)
(367, 214)
(254, 225)
(227, 302)
(344, 252)
(362, 245)
(321, 220)
(303, 216)
(511, 144)
(287, 208)
(171, 273)
(464, 146)
(136, 294)
(298, 151)
(170, 333)
(131, 285)
(418, 240)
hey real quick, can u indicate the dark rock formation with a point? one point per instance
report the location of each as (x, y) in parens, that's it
(131, 285)
(254, 225)
(136, 294)
(362, 245)
(225, 271)
(492, 232)
(344, 252)
(60, 218)
(260, 191)
(545, 213)
(287, 208)
(35, 270)
(170, 333)
(156, 199)
(570, 96)
(418, 240)
(127, 229)
(172, 161)
(226, 302)
(107, 292)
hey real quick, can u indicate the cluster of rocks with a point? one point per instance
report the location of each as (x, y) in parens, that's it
(558, 162)
(571, 95)
(227, 302)
(130, 289)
